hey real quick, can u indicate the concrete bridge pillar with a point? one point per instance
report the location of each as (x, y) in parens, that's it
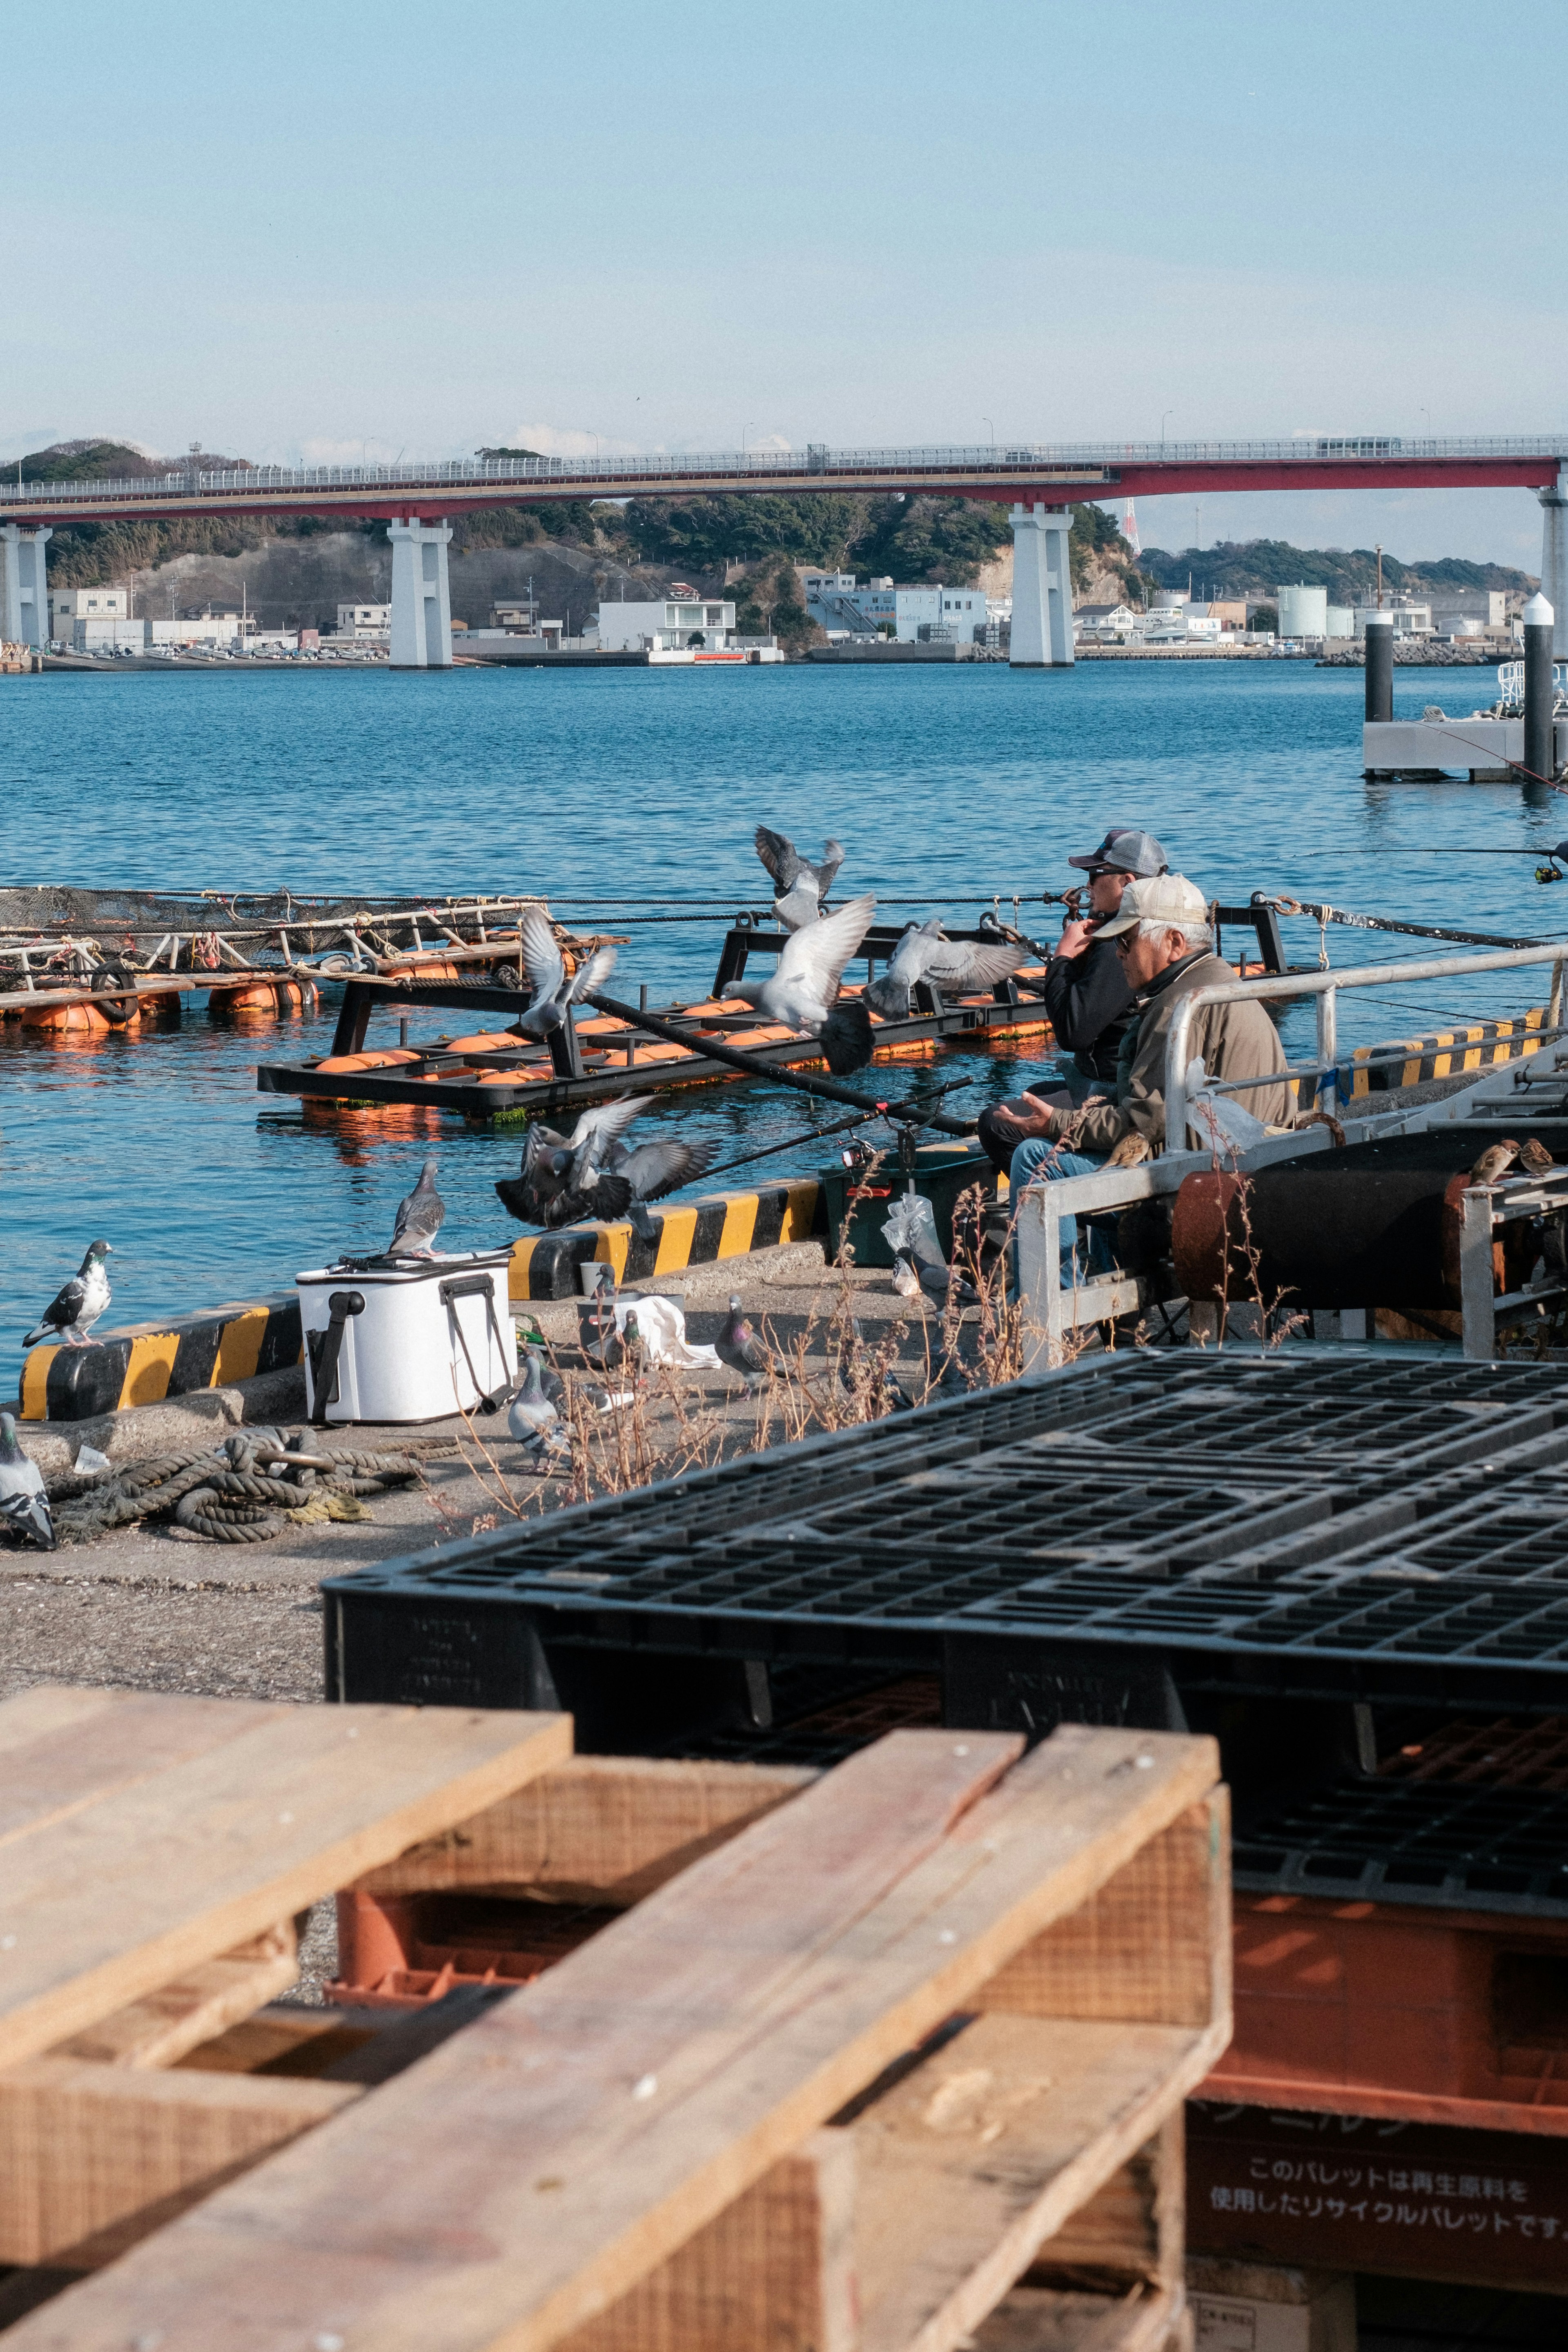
(1554, 559)
(1043, 588)
(421, 596)
(24, 593)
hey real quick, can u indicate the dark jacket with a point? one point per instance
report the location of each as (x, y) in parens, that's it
(1090, 1005)
(1236, 1041)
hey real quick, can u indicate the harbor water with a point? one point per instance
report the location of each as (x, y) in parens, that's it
(948, 784)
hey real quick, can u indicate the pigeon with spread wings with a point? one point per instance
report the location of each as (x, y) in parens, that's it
(924, 953)
(554, 994)
(802, 991)
(800, 888)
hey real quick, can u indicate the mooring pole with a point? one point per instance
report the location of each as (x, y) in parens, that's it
(1379, 668)
(1540, 744)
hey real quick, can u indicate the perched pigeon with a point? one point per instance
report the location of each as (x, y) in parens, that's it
(554, 994)
(71, 1316)
(534, 1419)
(925, 953)
(23, 1502)
(419, 1217)
(738, 1347)
(914, 1275)
(800, 992)
(800, 886)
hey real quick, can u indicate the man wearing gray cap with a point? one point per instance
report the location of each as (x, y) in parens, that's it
(1086, 994)
(1162, 934)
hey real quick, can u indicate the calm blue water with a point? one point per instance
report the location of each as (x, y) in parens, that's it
(946, 784)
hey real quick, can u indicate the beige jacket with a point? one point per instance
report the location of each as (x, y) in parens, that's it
(1236, 1041)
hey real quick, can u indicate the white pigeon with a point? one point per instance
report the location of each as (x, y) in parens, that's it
(24, 1505)
(554, 994)
(800, 992)
(801, 885)
(72, 1313)
(924, 953)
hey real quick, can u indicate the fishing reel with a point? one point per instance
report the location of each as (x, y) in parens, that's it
(1072, 899)
(1558, 869)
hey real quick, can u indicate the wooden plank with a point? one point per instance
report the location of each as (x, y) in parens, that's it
(1153, 1945)
(149, 1880)
(1133, 2227)
(159, 2029)
(77, 1746)
(92, 2157)
(773, 2273)
(1043, 2319)
(601, 1829)
(659, 2072)
(988, 2148)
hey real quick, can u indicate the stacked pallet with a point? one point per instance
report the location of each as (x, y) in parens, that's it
(856, 2054)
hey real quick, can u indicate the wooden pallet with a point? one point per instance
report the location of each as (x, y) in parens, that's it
(882, 2062)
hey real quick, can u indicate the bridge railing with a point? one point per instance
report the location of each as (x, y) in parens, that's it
(1025, 460)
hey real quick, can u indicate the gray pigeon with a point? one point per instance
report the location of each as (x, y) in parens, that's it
(937, 1281)
(23, 1502)
(802, 990)
(802, 887)
(925, 953)
(533, 1421)
(592, 1173)
(71, 1316)
(554, 994)
(418, 1218)
(738, 1347)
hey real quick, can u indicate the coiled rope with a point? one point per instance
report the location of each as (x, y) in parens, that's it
(229, 1497)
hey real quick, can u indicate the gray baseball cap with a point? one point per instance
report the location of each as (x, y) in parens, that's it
(1125, 850)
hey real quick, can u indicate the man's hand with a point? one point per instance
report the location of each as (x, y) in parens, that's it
(1014, 1123)
(1076, 936)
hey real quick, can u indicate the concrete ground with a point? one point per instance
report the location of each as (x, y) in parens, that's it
(150, 1607)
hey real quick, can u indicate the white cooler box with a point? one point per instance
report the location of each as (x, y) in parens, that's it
(412, 1342)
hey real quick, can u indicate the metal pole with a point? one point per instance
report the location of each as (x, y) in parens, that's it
(1476, 1290)
(1328, 1049)
(1379, 668)
(1539, 748)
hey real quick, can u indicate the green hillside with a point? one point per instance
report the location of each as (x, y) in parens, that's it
(1256, 567)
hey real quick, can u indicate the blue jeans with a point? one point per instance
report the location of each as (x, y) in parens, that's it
(1038, 1158)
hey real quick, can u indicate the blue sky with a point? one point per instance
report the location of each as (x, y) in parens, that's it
(306, 232)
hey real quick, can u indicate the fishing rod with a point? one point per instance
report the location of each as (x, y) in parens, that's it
(839, 1127)
(1323, 914)
(753, 1066)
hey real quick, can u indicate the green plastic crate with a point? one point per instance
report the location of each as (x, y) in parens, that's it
(942, 1171)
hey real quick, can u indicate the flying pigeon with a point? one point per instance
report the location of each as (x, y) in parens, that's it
(71, 1316)
(23, 1502)
(1494, 1160)
(419, 1217)
(592, 1173)
(738, 1347)
(924, 953)
(554, 994)
(800, 886)
(799, 995)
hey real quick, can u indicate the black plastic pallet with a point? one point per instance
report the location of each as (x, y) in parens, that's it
(1420, 1841)
(1330, 1529)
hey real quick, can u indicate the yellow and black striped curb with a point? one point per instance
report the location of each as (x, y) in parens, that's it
(1443, 1055)
(146, 1363)
(694, 1233)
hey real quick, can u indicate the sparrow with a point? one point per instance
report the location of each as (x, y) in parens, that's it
(1133, 1149)
(1534, 1158)
(1494, 1160)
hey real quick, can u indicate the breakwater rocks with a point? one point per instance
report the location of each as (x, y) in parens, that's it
(1420, 652)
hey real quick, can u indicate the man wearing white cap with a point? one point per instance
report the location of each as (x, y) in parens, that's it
(1163, 937)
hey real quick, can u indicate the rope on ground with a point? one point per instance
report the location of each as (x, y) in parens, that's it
(245, 1492)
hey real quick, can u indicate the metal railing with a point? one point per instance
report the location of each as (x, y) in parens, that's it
(1025, 460)
(1326, 986)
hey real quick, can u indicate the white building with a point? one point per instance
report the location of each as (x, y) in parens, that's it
(1409, 620)
(674, 625)
(1341, 619)
(1105, 625)
(92, 620)
(923, 614)
(372, 621)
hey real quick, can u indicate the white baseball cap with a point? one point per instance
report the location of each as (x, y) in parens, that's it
(1161, 898)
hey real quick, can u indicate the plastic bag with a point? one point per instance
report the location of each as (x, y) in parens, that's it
(912, 1225)
(1222, 1123)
